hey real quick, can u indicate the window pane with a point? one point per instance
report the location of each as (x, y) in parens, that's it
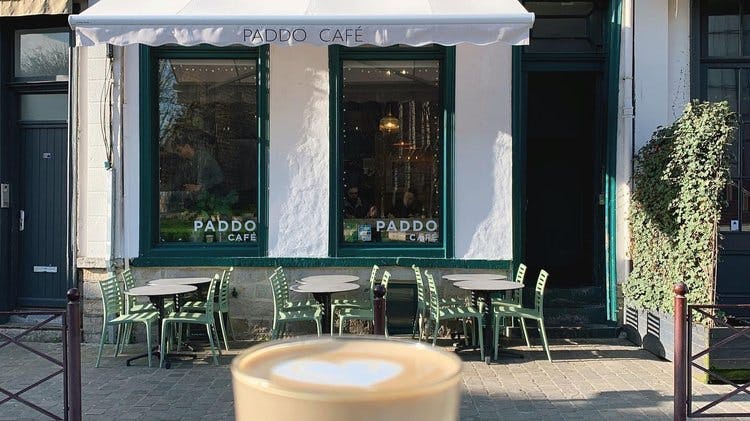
(208, 151)
(42, 55)
(44, 107)
(723, 21)
(571, 26)
(745, 216)
(729, 213)
(722, 85)
(391, 151)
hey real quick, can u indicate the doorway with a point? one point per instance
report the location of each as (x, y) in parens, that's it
(564, 216)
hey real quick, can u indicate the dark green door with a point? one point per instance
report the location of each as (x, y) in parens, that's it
(43, 268)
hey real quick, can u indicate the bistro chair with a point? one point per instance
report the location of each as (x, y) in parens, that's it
(114, 307)
(516, 298)
(284, 311)
(221, 307)
(537, 313)
(205, 318)
(363, 313)
(441, 311)
(354, 303)
(423, 305)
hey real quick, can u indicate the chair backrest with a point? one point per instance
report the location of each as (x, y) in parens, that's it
(276, 289)
(521, 273)
(212, 287)
(434, 297)
(283, 283)
(226, 278)
(384, 282)
(112, 299)
(421, 293)
(128, 279)
(539, 291)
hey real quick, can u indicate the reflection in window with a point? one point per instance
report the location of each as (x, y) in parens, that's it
(208, 157)
(41, 55)
(391, 151)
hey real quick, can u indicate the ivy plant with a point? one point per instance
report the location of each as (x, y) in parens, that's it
(676, 202)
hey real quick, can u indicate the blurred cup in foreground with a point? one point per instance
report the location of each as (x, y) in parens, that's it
(347, 378)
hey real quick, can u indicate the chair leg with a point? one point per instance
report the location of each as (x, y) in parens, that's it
(341, 326)
(101, 343)
(496, 335)
(274, 329)
(435, 332)
(481, 338)
(319, 326)
(229, 323)
(118, 338)
(163, 342)
(525, 333)
(420, 327)
(543, 333)
(466, 332)
(223, 331)
(148, 341)
(333, 317)
(211, 342)
(126, 339)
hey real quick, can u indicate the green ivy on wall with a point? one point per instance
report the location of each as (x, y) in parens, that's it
(676, 202)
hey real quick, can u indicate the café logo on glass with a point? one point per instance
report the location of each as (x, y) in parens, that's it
(234, 230)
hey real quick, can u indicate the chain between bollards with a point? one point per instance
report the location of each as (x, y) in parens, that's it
(73, 369)
(680, 360)
(379, 309)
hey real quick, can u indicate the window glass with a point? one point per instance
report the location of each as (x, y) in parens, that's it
(570, 26)
(729, 213)
(723, 27)
(208, 151)
(42, 55)
(44, 107)
(391, 152)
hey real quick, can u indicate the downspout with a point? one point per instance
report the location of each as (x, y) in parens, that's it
(73, 136)
(626, 144)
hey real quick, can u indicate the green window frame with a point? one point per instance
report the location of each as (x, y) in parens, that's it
(149, 150)
(721, 71)
(447, 57)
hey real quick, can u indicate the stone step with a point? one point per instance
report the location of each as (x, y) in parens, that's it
(15, 325)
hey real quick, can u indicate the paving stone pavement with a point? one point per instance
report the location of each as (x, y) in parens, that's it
(589, 380)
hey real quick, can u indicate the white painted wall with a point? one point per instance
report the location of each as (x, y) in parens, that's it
(483, 152)
(299, 156)
(94, 181)
(298, 171)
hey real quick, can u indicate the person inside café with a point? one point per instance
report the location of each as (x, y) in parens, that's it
(201, 171)
(406, 207)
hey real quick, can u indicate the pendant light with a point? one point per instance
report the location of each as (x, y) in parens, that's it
(389, 124)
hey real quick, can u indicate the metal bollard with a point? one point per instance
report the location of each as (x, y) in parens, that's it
(680, 370)
(379, 309)
(73, 369)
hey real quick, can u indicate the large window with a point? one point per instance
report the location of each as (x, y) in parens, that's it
(204, 151)
(725, 75)
(390, 145)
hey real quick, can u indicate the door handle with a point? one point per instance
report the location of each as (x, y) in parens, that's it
(21, 220)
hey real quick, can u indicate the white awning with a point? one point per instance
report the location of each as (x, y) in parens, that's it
(320, 22)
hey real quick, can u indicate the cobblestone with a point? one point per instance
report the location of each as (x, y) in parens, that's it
(589, 380)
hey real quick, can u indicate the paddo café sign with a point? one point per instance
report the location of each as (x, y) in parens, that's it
(346, 35)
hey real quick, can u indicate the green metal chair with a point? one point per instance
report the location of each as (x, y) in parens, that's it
(131, 306)
(363, 313)
(284, 311)
(441, 311)
(517, 294)
(221, 307)
(114, 307)
(354, 303)
(423, 305)
(537, 313)
(200, 318)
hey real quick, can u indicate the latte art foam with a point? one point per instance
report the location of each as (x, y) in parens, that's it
(363, 373)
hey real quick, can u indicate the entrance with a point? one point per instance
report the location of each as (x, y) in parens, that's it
(564, 221)
(34, 163)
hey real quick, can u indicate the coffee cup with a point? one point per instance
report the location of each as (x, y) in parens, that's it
(346, 378)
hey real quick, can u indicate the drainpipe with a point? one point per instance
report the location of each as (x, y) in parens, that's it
(73, 128)
(626, 147)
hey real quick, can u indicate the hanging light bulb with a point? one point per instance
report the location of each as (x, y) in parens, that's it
(389, 124)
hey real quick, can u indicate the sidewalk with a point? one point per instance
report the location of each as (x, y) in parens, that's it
(589, 380)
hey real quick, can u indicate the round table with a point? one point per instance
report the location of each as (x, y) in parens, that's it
(156, 294)
(483, 289)
(181, 281)
(322, 294)
(474, 276)
(328, 279)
